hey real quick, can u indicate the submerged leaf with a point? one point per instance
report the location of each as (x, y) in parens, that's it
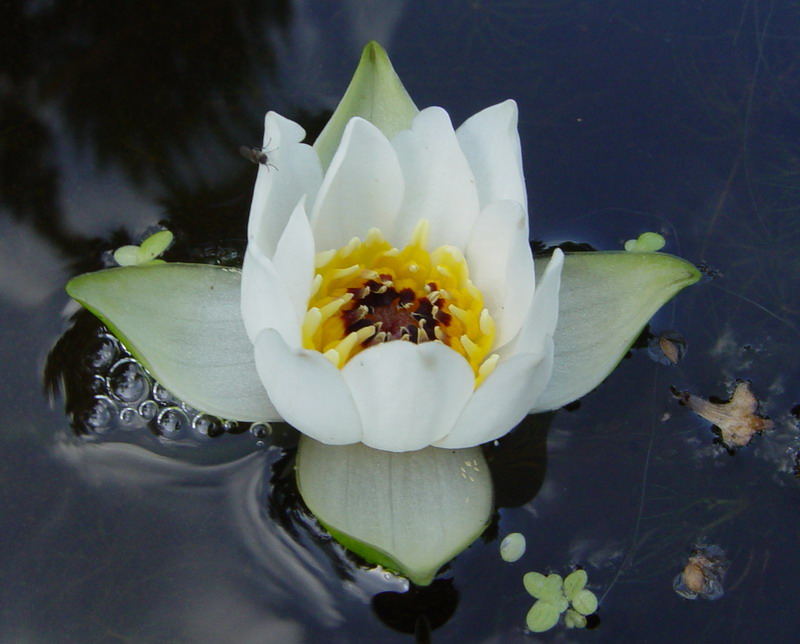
(183, 323)
(605, 300)
(410, 512)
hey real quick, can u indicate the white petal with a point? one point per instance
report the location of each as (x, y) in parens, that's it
(294, 260)
(294, 171)
(309, 391)
(501, 265)
(502, 400)
(541, 320)
(266, 301)
(182, 322)
(362, 189)
(491, 142)
(605, 299)
(440, 186)
(408, 395)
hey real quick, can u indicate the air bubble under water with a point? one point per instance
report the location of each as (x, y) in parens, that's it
(127, 381)
(111, 390)
(101, 415)
(172, 420)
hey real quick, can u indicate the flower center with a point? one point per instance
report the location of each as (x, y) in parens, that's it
(368, 292)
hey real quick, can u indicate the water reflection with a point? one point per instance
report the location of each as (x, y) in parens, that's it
(420, 611)
(104, 85)
(684, 120)
(209, 527)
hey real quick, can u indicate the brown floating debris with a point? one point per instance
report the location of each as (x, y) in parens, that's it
(703, 574)
(736, 419)
(667, 348)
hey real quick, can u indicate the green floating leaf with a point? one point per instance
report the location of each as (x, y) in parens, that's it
(605, 300)
(512, 547)
(585, 602)
(183, 323)
(550, 588)
(127, 255)
(155, 244)
(646, 243)
(575, 582)
(375, 94)
(151, 248)
(542, 616)
(573, 619)
(410, 512)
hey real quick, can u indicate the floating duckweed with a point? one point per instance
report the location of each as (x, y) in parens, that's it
(574, 583)
(548, 588)
(646, 243)
(542, 616)
(554, 596)
(573, 619)
(127, 255)
(150, 248)
(156, 244)
(512, 547)
(585, 602)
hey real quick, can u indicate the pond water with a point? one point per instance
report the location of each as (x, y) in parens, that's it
(679, 118)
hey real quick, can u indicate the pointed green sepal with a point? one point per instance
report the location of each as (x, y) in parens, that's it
(605, 300)
(183, 323)
(410, 512)
(375, 94)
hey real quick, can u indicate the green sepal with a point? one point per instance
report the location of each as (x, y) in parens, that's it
(410, 512)
(183, 323)
(376, 94)
(605, 300)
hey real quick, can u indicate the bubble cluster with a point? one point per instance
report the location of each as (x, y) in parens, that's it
(119, 394)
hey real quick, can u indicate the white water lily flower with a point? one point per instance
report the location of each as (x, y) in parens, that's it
(391, 299)
(388, 293)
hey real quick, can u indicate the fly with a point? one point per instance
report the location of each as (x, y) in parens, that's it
(258, 155)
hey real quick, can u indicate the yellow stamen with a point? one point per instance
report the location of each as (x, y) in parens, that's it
(486, 368)
(368, 292)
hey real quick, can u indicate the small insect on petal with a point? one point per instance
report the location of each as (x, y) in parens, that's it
(258, 155)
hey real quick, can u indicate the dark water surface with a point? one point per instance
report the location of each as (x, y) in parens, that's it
(676, 117)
